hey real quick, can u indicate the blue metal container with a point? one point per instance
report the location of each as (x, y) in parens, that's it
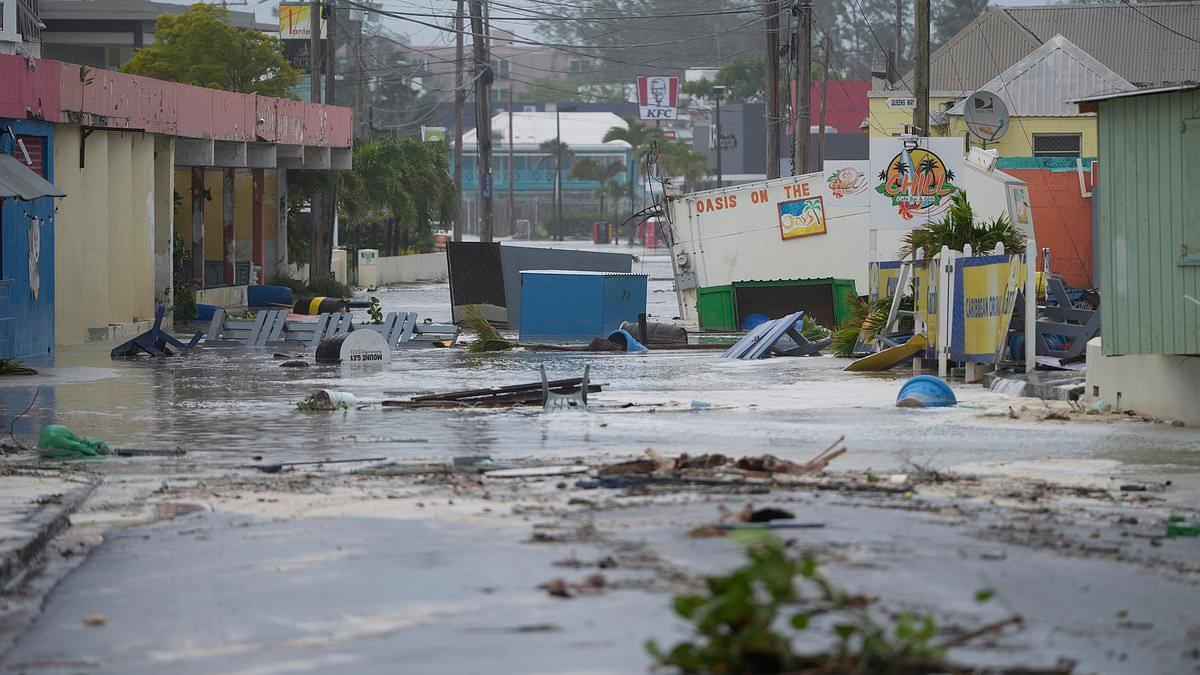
(560, 306)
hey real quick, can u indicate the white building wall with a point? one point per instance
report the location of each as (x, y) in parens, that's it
(1166, 386)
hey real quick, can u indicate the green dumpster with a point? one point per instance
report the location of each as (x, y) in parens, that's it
(725, 307)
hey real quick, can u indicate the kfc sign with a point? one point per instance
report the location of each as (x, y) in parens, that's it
(658, 97)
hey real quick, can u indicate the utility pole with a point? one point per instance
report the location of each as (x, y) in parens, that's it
(314, 47)
(327, 234)
(824, 104)
(330, 50)
(801, 152)
(459, 98)
(894, 75)
(771, 12)
(558, 206)
(360, 88)
(921, 69)
(483, 118)
(315, 209)
(718, 92)
(512, 219)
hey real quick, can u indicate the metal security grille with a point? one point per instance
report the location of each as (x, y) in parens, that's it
(1056, 145)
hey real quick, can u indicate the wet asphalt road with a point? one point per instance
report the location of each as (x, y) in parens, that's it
(227, 593)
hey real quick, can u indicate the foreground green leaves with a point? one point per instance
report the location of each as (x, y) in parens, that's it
(745, 622)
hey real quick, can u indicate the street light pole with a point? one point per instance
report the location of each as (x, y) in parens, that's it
(719, 91)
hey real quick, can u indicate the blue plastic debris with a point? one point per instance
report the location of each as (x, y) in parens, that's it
(925, 391)
(269, 296)
(623, 337)
(205, 312)
(754, 320)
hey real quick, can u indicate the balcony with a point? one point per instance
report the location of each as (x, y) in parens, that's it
(20, 23)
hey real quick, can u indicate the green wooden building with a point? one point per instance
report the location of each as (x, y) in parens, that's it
(1148, 214)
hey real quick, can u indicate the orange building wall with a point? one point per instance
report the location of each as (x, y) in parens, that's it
(1062, 219)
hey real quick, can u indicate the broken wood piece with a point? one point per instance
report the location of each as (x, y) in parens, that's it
(637, 466)
(700, 462)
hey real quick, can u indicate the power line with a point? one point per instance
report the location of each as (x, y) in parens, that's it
(519, 39)
(628, 17)
(1154, 21)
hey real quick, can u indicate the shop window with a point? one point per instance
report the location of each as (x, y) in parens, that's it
(1057, 145)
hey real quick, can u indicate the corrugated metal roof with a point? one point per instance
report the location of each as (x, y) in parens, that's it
(17, 180)
(1138, 92)
(1148, 44)
(1042, 83)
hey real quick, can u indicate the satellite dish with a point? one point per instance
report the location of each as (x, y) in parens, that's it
(986, 115)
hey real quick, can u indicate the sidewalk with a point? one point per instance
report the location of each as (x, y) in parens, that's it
(35, 505)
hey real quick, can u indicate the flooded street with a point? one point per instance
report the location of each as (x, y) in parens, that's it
(198, 563)
(222, 405)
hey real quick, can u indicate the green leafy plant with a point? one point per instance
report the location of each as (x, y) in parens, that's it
(812, 330)
(202, 48)
(487, 339)
(958, 228)
(14, 367)
(375, 311)
(737, 626)
(866, 319)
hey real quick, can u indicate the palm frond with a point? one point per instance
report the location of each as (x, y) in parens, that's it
(957, 229)
(487, 339)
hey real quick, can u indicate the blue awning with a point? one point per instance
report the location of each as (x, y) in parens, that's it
(19, 181)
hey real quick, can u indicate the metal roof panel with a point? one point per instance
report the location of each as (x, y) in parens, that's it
(17, 180)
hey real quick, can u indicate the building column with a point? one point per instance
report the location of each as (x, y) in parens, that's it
(198, 226)
(256, 229)
(281, 222)
(164, 223)
(228, 238)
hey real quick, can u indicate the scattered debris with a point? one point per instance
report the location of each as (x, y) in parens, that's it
(487, 338)
(58, 442)
(95, 620)
(1178, 526)
(496, 397)
(537, 471)
(700, 462)
(276, 468)
(637, 466)
(14, 367)
(295, 363)
(155, 342)
(327, 399)
(770, 464)
(792, 335)
(593, 584)
(768, 514)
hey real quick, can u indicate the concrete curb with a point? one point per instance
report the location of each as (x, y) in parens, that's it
(46, 523)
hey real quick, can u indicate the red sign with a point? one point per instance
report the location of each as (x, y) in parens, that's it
(658, 97)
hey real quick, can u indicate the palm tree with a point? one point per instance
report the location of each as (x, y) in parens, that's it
(599, 172)
(550, 147)
(680, 160)
(641, 139)
(960, 227)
